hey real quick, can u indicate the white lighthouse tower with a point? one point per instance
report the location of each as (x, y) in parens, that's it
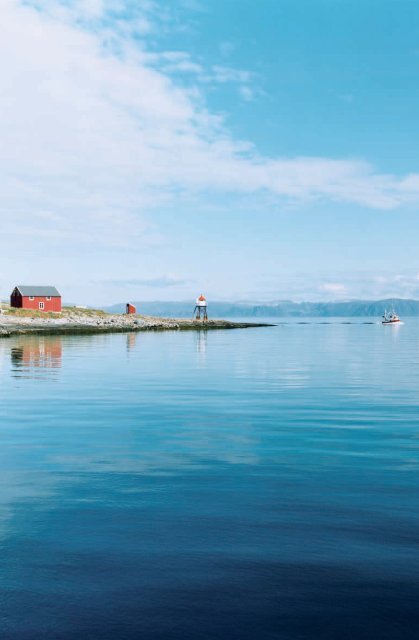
(200, 311)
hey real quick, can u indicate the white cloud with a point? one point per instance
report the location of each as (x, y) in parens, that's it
(95, 132)
(229, 74)
(246, 93)
(175, 62)
(335, 288)
(181, 62)
(157, 282)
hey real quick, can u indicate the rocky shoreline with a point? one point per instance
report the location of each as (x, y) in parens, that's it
(78, 323)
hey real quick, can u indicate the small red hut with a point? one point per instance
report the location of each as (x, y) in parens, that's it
(130, 309)
(36, 298)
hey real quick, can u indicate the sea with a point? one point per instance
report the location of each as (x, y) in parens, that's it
(251, 484)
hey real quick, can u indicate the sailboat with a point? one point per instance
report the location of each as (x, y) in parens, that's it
(390, 318)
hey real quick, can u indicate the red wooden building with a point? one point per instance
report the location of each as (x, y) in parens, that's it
(130, 308)
(36, 298)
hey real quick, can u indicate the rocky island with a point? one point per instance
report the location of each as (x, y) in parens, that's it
(74, 320)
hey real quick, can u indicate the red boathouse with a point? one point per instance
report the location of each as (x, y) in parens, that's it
(36, 298)
(129, 309)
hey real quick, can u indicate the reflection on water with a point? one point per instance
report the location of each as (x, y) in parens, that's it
(33, 353)
(201, 345)
(241, 484)
(131, 341)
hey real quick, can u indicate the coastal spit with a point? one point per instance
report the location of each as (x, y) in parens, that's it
(73, 320)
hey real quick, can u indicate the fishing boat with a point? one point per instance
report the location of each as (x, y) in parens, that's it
(390, 318)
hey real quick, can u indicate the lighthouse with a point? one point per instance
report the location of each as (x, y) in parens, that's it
(200, 311)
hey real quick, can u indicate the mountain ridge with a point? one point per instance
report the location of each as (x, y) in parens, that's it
(284, 308)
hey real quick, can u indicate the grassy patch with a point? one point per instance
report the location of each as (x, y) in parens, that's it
(29, 313)
(83, 312)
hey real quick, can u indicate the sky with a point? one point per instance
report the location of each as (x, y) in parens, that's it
(261, 151)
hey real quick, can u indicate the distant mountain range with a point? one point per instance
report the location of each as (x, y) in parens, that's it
(283, 308)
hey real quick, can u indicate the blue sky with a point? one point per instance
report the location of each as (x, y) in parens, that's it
(251, 150)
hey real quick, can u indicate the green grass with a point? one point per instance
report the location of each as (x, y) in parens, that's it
(84, 312)
(29, 313)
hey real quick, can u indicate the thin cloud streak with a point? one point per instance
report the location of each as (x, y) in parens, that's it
(162, 282)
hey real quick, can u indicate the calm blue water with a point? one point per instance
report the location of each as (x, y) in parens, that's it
(250, 484)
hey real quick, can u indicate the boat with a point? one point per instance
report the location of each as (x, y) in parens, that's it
(390, 318)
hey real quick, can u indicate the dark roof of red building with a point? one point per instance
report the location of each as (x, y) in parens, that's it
(38, 291)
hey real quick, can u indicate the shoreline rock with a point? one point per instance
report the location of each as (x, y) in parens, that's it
(77, 324)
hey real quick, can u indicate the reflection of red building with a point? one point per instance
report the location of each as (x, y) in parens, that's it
(44, 353)
(36, 298)
(131, 340)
